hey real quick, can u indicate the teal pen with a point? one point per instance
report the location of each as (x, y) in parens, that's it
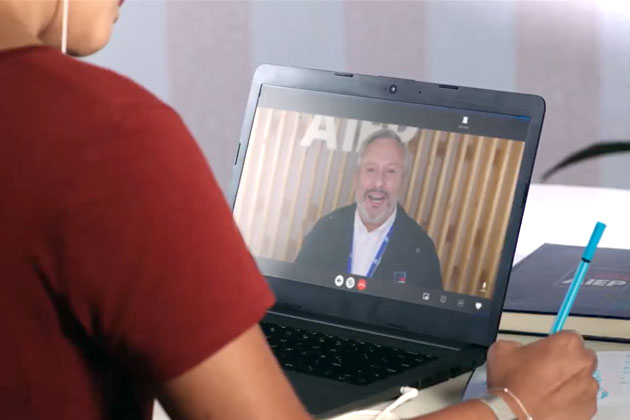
(569, 298)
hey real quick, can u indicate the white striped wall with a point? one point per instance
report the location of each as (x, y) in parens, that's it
(200, 55)
(471, 43)
(614, 94)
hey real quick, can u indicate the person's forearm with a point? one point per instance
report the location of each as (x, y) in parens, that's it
(470, 410)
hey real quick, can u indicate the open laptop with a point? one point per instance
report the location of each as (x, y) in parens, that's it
(384, 213)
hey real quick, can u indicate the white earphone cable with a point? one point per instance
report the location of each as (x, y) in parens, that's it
(64, 26)
(407, 393)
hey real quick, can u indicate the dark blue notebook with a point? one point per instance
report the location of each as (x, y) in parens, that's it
(539, 282)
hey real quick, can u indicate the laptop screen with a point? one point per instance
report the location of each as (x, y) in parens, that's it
(397, 200)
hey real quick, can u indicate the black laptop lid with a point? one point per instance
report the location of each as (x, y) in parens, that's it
(383, 201)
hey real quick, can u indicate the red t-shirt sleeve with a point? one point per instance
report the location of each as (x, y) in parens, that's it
(151, 262)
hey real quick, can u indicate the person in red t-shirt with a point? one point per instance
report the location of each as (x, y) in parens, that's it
(117, 254)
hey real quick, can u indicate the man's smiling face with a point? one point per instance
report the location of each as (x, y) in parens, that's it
(379, 180)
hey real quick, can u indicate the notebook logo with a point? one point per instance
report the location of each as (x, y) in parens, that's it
(599, 283)
(599, 279)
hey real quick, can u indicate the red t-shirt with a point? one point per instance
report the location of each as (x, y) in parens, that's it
(120, 264)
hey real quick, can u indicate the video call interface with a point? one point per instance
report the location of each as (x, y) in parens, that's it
(402, 201)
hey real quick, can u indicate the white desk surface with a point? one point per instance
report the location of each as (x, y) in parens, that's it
(450, 392)
(553, 214)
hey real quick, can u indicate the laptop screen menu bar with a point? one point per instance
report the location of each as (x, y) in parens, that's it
(394, 112)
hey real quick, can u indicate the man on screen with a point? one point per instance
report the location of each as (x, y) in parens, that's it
(374, 237)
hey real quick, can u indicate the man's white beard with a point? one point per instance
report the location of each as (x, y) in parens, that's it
(376, 219)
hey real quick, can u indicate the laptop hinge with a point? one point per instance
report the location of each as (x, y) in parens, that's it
(356, 328)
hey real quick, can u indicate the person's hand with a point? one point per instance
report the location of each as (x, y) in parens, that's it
(553, 377)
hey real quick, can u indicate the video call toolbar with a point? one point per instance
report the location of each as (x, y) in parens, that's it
(438, 298)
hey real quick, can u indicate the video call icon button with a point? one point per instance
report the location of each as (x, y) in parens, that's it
(362, 284)
(339, 280)
(460, 303)
(350, 282)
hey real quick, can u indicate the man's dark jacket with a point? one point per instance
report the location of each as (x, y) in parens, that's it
(410, 251)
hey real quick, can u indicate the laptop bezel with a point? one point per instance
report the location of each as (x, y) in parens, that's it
(453, 325)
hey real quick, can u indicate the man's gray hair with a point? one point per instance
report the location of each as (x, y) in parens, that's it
(386, 133)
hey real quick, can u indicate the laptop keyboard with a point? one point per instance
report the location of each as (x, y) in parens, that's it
(338, 358)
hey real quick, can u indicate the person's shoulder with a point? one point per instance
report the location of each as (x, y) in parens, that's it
(94, 113)
(334, 220)
(340, 214)
(88, 86)
(410, 228)
(107, 107)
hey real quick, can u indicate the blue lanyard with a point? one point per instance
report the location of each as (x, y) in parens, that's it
(377, 257)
